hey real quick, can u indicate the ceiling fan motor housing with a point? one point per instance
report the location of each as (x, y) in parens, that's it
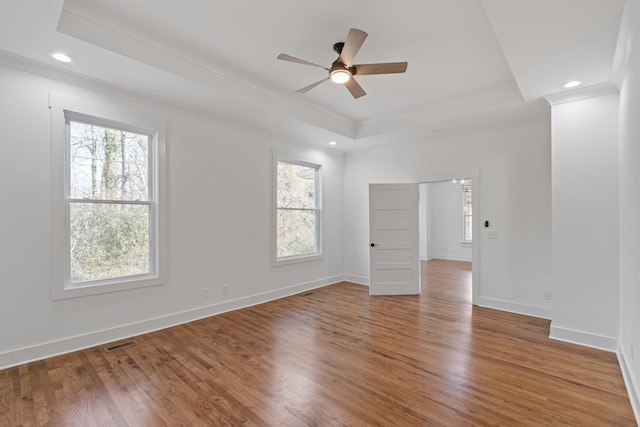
(337, 65)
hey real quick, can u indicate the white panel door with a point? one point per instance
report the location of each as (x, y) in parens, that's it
(393, 239)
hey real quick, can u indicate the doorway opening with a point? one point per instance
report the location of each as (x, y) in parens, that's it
(394, 235)
(446, 236)
(450, 227)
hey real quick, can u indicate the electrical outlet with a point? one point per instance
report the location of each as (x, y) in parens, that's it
(547, 294)
(225, 289)
(493, 234)
(205, 293)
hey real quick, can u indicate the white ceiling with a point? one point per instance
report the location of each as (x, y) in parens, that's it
(472, 63)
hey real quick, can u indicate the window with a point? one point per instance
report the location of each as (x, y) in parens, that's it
(467, 214)
(107, 202)
(297, 228)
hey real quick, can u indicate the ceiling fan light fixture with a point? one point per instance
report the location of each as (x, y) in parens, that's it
(340, 76)
(343, 71)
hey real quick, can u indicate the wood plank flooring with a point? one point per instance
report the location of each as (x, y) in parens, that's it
(332, 356)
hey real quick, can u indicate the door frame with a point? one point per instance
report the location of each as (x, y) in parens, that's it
(474, 174)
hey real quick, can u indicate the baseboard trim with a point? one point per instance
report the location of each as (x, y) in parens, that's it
(67, 345)
(512, 307)
(629, 381)
(449, 257)
(358, 280)
(586, 339)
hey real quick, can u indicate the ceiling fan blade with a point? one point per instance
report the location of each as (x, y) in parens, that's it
(285, 57)
(385, 68)
(355, 89)
(352, 45)
(311, 86)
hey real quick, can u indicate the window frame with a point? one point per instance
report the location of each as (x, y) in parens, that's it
(318, 254)
(465, 216)
(63, 110)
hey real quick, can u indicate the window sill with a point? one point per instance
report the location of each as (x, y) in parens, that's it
(103, 288)
(296, 259)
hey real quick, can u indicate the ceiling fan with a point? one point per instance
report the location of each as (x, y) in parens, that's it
(342, 71)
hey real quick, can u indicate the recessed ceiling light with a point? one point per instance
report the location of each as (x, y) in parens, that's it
(572, 83)
(333, 143)
(62, 57)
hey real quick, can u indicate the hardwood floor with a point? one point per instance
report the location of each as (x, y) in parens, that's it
(332, 356)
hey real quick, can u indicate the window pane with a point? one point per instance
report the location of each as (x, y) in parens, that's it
(296, 232)
(108, 241)
(468, 215)
(296, 186)
(107, 164)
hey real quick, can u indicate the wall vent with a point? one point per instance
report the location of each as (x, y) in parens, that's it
(121, 345)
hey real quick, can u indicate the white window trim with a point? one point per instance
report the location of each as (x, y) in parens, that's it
(464, 242)
(104, 112)
(294, 259)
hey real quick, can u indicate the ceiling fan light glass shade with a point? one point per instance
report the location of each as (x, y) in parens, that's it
(340, 76)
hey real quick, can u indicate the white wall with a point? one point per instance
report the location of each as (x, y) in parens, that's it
(219, 219)
(444, 221)
(630, 217)
(585, 221)
(514, 188)
(423, 225)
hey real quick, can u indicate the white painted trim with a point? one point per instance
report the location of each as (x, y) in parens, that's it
(475, 175)
(513, 307)
(97, 26)
(581, 93)
(450, 176)
(20, 356)
(104, 113)
(299, 159)
(629, 381)
(583, 338)
(450, 257)
(113, 91)
(510, 307)
(358, 280)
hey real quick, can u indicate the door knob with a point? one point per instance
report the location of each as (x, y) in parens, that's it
(373, 244)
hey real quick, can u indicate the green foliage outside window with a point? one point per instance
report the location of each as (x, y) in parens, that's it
(297, 211)
(109, 202)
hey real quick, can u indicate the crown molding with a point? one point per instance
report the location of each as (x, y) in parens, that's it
(90, 23)
(594, 91)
